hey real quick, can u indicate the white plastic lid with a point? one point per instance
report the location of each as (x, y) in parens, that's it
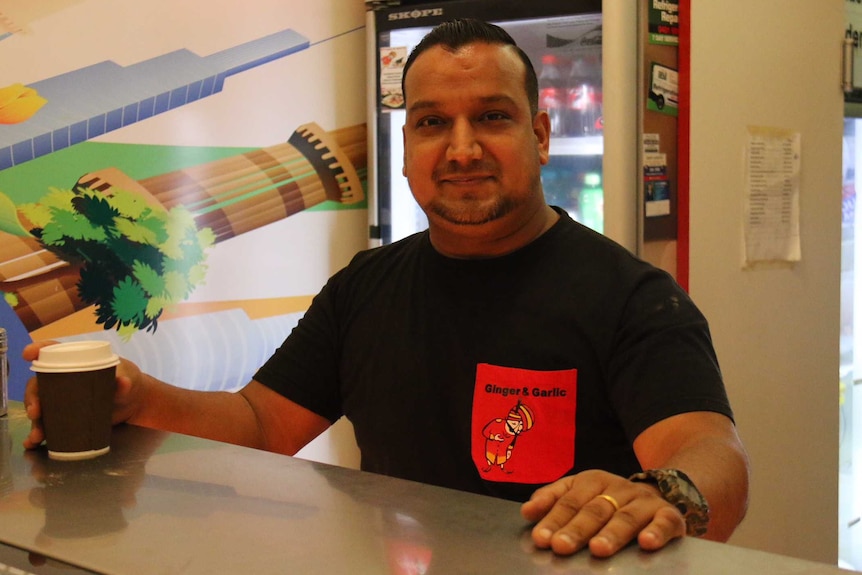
(75, 356)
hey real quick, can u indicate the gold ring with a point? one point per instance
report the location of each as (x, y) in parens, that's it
(610, 500)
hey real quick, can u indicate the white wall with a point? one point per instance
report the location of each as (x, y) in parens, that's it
(773, 63)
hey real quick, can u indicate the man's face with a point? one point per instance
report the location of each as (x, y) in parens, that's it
(472, 150)
(515, 426)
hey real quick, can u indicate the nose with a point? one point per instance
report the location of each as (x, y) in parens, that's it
(463, 145)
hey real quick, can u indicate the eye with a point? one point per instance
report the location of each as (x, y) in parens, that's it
(495, 116)
(429, 122)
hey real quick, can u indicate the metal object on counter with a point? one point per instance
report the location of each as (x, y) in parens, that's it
(6, 484)
(4, 373)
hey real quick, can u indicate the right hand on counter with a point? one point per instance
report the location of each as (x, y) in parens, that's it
(127, 373)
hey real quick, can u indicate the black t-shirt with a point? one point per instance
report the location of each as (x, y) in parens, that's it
(498, 375)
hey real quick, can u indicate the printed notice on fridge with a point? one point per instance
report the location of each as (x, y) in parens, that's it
(391, 70)
(663, 90)
(664, 22)
(656, 181)
(772, 196)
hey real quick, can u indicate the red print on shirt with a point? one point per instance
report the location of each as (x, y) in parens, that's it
(501, 433)
(523, 423)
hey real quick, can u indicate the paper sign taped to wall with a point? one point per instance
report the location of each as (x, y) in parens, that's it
(772, 166)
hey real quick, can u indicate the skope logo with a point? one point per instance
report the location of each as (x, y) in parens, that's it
(414, 14)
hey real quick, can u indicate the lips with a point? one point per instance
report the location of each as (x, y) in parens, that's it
(464, 179)
(19, 103)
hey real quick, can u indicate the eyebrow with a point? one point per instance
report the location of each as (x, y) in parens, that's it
(420, 105)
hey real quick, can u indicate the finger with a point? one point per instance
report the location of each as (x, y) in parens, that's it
(544, 498)
(34, 413)
(31, 400)
(32, 407)
(122, 398)
(538, 505)
(570, 526)
(124, 387)
(618, 533)
(31, 395)
(35, 438)
(610, 499)
(31, 350)
(667, 525)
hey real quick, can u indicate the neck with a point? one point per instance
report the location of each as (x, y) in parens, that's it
(493, 239)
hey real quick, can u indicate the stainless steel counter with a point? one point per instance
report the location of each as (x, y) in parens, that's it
(162, 503)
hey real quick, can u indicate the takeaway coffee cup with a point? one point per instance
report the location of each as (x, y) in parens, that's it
(77, 381)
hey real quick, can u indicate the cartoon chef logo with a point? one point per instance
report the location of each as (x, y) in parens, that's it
(501, 434)
(524, 423)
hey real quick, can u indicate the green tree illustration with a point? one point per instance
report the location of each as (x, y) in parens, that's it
(135, 259)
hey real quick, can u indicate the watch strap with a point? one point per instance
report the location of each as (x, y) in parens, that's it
(677, 489)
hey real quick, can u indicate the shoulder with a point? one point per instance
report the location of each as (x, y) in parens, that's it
(396, 253)
(609, 275)
(592, 254)
(368, 268)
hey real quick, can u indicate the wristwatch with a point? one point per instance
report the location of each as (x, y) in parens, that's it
(678, 490)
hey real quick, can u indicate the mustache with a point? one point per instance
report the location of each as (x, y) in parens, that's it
(456, 169)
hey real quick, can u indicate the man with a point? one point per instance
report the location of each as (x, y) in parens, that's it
(504, 300)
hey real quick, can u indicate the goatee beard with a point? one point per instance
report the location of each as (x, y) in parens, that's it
(472, 213)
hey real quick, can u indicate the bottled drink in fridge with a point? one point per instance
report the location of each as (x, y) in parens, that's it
(584, 108)
(592, 202)
(583, 99)
(552, 93)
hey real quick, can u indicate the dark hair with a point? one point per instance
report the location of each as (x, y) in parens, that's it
(460, 32)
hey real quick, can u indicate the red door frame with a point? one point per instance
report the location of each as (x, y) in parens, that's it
(683, 149)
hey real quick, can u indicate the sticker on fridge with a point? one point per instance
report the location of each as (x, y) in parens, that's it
(656, 185)
(663, 90)
(392, 62)
(664, 22)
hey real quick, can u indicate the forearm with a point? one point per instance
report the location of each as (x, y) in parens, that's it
(712, 456)
(221, 416)
(722, 478)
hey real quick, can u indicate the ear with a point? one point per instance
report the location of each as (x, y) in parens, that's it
(404, 147)
(542, 131)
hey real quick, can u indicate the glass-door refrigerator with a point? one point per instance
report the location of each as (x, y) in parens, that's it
(586, 62)
(850, 337)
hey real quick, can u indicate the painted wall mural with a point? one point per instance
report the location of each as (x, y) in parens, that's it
(177, 178)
